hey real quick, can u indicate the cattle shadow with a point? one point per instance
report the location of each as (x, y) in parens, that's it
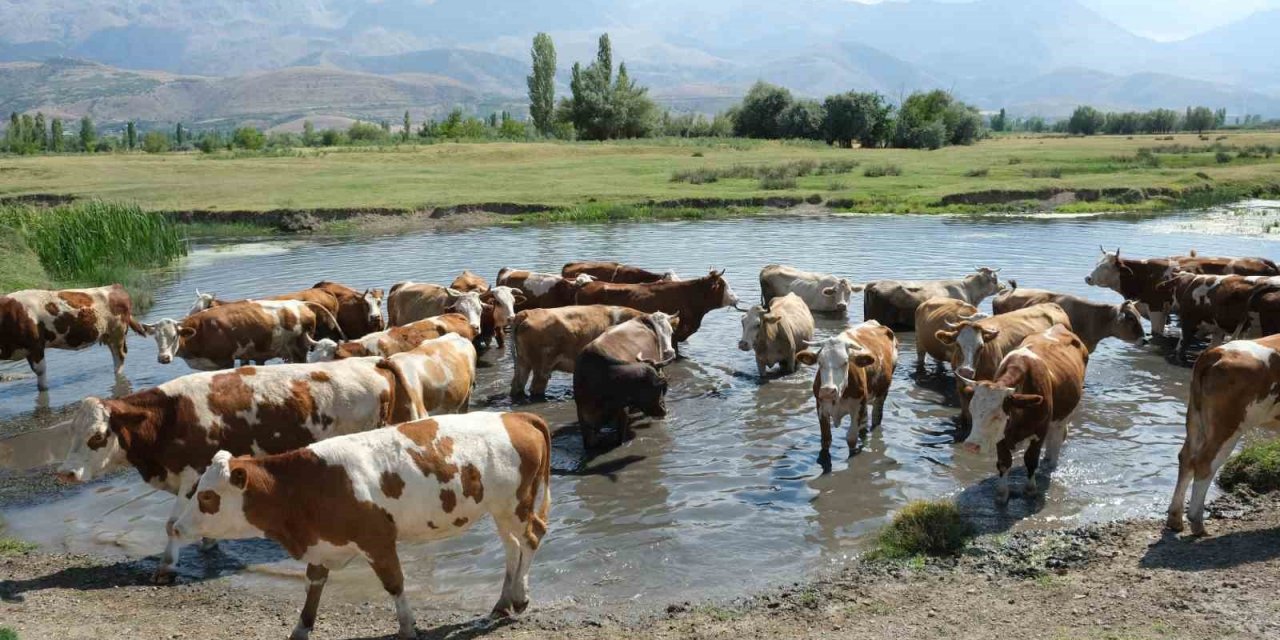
(1191, 554)
(194, 565)
(478, 628)
(567, 441)
(977, 503)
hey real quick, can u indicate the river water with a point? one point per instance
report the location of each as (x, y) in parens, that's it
(725, 495)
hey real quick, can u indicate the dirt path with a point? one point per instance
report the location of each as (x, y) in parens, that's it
(1120, 581)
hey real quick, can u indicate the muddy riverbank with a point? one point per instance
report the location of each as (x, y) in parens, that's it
(1127, 579)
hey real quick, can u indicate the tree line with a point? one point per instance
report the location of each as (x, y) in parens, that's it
(28, 134)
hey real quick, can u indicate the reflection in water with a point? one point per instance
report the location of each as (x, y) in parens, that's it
(727, 493)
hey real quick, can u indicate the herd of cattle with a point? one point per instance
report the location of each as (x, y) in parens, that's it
(295, 452)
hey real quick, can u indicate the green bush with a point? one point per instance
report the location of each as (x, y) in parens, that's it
(977, 173)
(14, 547)
(93, 241)
(1222, 157)
(775, 182)
(924, 527)
(1045, 172)
(248, 138)
(881, 170)
(155, 142)
(8, 634)
(1257, 466)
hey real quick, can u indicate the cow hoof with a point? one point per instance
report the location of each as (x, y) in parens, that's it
(300, 634)
(521, 606)
(208, 545)
(1197, 529)
(1174, 523)
(164, 577)
(407, 634)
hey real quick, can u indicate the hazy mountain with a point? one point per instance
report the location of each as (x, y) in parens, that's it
(1245, 52)
(481, 71)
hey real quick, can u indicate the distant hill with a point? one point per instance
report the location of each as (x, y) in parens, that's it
(478, 70)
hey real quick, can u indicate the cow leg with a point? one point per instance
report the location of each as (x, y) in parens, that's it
(520, 550)
(519, 378)
(877, 412)
(38, 365)
(824, 423)
(1031, 459)
(1179, 502)
(169, 559)
(317, 576)
(387, 567)
(920, 355)
(1158, 319)
(499, 336)
(540, 382)
(1184, 341)
(1004, 462)
(118, 350)
(1205, 470)
(1053, 443)
(762, 367)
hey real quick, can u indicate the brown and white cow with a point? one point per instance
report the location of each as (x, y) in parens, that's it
(1214, 265)
(410, 302)
(777, 334)
(934, 315)
(621, 371)
(615, 272)
(350, 314)
(469, 281)
(1235, 388)
(357, 496)
(438, 375)
(393, 340)
(251, 332)
(691, 300)
(893, 303)
(1264, 310)
(1139, 281)
(1091, 321)
(546, 340)
(542, 290)
(169, 433)
(980, 345)
(820, 291)
(1032, 396)
(1217, 306)
(33, 320)
(855, 370)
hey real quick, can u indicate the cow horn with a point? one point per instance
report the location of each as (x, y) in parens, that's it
(997, 270)
(974, 316)
(657, 364)
(952, 325)
(965, 380)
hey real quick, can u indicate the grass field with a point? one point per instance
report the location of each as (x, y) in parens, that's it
(569, 174)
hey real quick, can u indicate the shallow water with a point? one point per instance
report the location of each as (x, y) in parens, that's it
(726, 495)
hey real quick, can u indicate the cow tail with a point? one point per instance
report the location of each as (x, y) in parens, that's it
(328, 314)
(135, 325)
(403, 405)
(537, 525)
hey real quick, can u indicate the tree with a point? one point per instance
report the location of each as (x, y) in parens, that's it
(408, 127)
(511, 128)
(542, 89)
(248, 138)
(309, 133)
(857, 117)
(366, 132)
(600, 108)
(934, 119)
(1036, 124)
(801, 120)
(40, 136)
(209, 142)
(1199, 119)
(759, 114)
(1000, 121)
(1220, 118)
(130, 136)
(963, 123)
(179, 136)
(1085, 120)
(155, 142)
(55, 135)
(88, 136)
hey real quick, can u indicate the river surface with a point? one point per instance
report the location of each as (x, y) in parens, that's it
(726, 495)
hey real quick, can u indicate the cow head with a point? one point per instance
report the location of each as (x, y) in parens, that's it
(203, 301)
(582, 280)
(1127, 324)
(1107, 272)
(670, 276)
(833, 357)
(372, 299)
(969, 337)
(648, 393)
(990, 405)
(841, 292)
(504, 300)
(985, 282)
(169, 334)
(95, 450)
(721, 294)
(468, 304)
(324, 350)
(217, 508)
(751, 322)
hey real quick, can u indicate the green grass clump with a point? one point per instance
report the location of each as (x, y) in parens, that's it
(1256, 466)
(977, 173)
(8, 634)
(773, 172)
(882, 170)
(1045, 172)
(775, 183)
(597, 212)
(93, 241)
(1222, 157)
(924, 527)
(19, 266)
(14, 547)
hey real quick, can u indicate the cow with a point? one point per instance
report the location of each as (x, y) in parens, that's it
(1032, 396)
(33, 320)
(934, 315)
(1091, 321)
(615, 272)
(1235, 388)
(542, 290)
(978, 346)
(169, 433)
(499, 307)
(855, 370)
(893, 302)
(1139, 281)
(821, 292)
(356, 496)
(546, 340)
(1213, 305)
(393, 340)
(251, 332)
(469, 281)
(351, 314)
(777, 334)
(438, 375)
(622, 370)
(1264, 309)
(410, 302)
(1223, 266)
(691, 300)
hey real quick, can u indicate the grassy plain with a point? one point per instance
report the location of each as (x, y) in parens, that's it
(632, 172)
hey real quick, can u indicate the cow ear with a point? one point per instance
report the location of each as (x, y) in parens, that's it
(946, 337)
(990, 334)
(864, 360)
(1025, 400)
(186, 332)
(772, 318)
(239, 478)
(148, 330)
(674, 322)
(807, 358)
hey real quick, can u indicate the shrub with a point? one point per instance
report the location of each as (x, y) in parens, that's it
(1015, 160)
(776, 182)
(1202, 175)
(1222, 157)
(8, 634)
(881, 170)
(248, 138)
(924, 527)
(155, 142)
(837, 185)
(702, 175)
(13, 547)
(697, 154)
(1256, 466)
(977, 173)
(1045, 172)
(90, 241)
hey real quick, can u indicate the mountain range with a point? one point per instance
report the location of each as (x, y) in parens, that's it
(271, 62)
